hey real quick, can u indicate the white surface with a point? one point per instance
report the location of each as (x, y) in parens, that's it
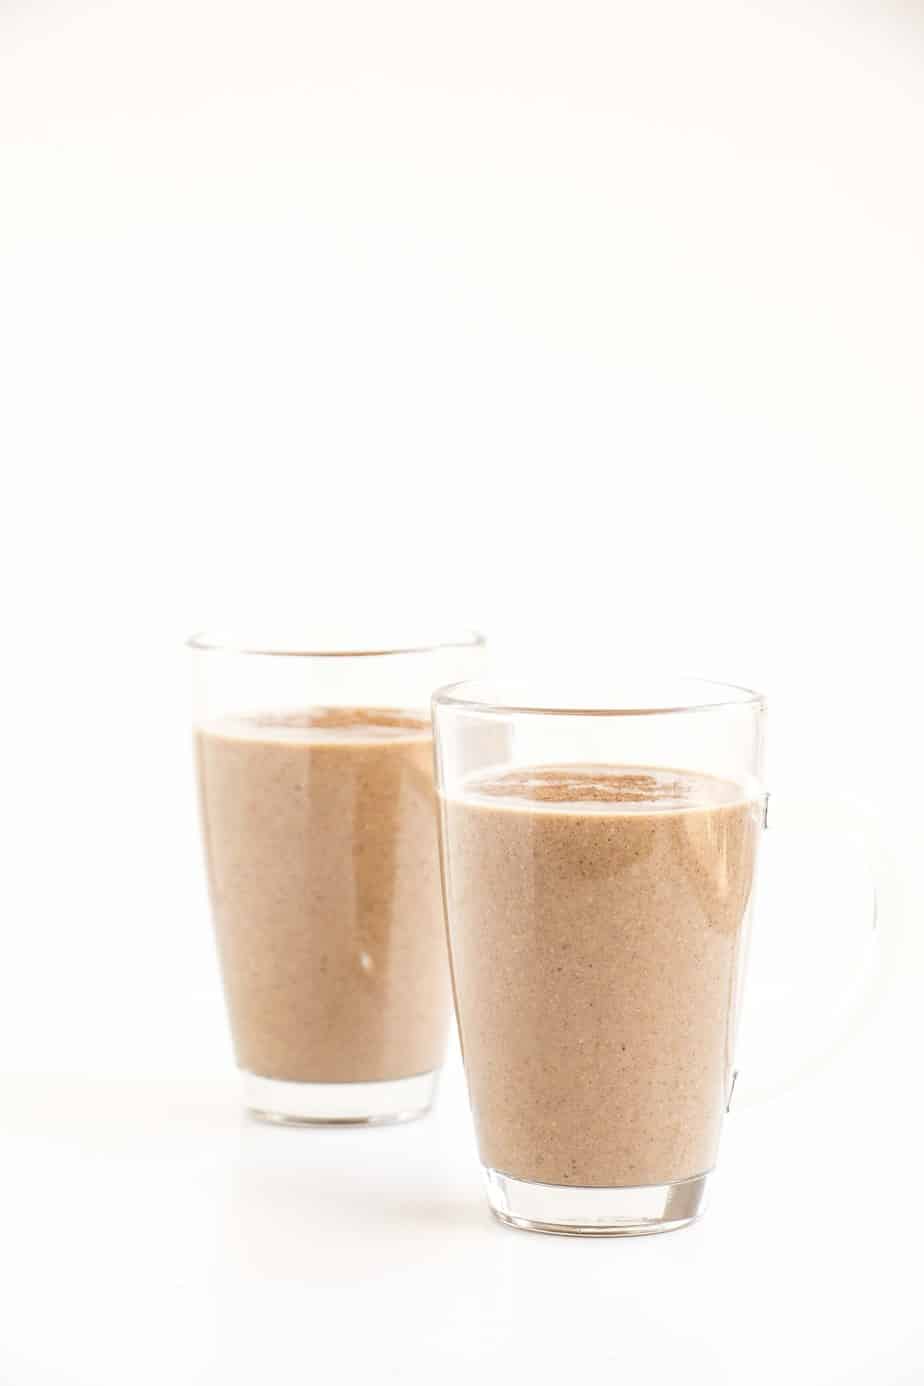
(593, 325)
(151, 1235)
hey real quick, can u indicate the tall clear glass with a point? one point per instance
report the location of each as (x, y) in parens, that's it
(598, 862)
(314, 763)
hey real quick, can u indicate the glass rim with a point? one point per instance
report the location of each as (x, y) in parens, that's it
(721, 697)
(208, 642)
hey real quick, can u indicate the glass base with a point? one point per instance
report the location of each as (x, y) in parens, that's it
(338, 1104)
(583, 1212)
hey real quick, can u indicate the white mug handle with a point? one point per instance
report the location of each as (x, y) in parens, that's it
(820, 950)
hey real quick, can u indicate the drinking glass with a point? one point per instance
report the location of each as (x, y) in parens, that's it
(314, 760)
(599, 852)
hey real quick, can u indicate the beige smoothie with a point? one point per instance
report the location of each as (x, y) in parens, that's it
(597, 918)
(320, 835)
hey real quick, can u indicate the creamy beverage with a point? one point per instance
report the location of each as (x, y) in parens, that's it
(320, 836)
(596, 918)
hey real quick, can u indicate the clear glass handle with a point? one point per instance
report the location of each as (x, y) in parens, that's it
(818, 951)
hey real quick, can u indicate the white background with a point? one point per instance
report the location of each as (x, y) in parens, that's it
(585, 323)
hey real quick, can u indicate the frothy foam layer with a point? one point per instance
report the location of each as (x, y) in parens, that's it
(601, 789)
(323, 724)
